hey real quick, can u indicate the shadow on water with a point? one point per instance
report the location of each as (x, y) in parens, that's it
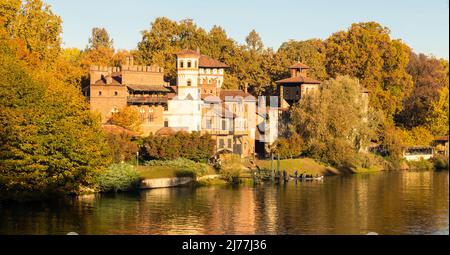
(386, 203)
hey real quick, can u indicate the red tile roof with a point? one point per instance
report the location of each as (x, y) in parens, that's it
(299, 79)
(118, 130)
(224, 94)
(187, 52)
(116, 79)
(442, 138)
(206, 61)
(299, 65)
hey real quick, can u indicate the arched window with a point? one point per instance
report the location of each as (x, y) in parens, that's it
(99, 93)
(189, 82)
(189, 64)
(116, 93)
(181, 64)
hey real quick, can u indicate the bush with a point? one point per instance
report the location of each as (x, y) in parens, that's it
(440, 162)
(420, 165)
(231, 168)
(121, 146)
(191, 146)
(119, 177)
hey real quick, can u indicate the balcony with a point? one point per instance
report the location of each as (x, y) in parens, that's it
(147, 99)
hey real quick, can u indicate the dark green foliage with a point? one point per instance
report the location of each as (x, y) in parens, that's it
(440, 162)
(191, 146)
(122, 147)
(119, 177)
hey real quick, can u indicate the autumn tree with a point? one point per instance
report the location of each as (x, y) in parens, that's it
(430, 76)
(35, 27)
(367, 52)
(310, 52)
(128, 118)
(50, 143)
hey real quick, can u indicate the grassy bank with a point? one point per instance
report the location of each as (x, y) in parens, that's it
(173, 168)
(302, 165)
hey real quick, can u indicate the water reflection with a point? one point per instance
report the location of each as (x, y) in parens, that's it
(386, 203)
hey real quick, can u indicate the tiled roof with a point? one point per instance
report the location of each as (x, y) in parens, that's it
(119, 130)
(210, 98)
(299, 79)
(154, 88)
(442, 138)
(165, 131)
(116, 79)
(236, 94)
(206, 61)
(187, 52)
(299, 65)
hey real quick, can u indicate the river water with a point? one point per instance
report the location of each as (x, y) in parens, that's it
(386, 203)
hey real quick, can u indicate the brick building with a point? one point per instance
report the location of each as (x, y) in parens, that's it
(196, 103)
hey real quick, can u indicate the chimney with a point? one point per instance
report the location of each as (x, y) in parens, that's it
(293, 72)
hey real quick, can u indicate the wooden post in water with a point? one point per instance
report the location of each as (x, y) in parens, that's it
(278, 162)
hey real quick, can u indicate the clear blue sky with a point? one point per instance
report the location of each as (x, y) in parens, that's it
(423, 25)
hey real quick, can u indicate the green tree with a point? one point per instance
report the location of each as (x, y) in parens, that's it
(50, 143)
(100, 39)
(254, 42)
(367, 52)
(334, 123)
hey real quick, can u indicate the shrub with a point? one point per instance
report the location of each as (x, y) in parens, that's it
(231, 168)
(121, 146)
(420, 165)
(191, 146)
(440, 162)
(119, 177)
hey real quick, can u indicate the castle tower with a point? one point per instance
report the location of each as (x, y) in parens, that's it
(187, 74)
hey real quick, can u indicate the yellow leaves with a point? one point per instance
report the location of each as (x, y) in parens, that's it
(128, 118)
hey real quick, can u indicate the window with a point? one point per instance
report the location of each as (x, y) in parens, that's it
(181, 64)
(99, 93)
(116, 93)
(166, 123)
(229, 142)
(142, 113)
(224, 124)
(189, 82)
(150, 117)
(209, 123)
(195, 64)
(221, 143)
(189, 64)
